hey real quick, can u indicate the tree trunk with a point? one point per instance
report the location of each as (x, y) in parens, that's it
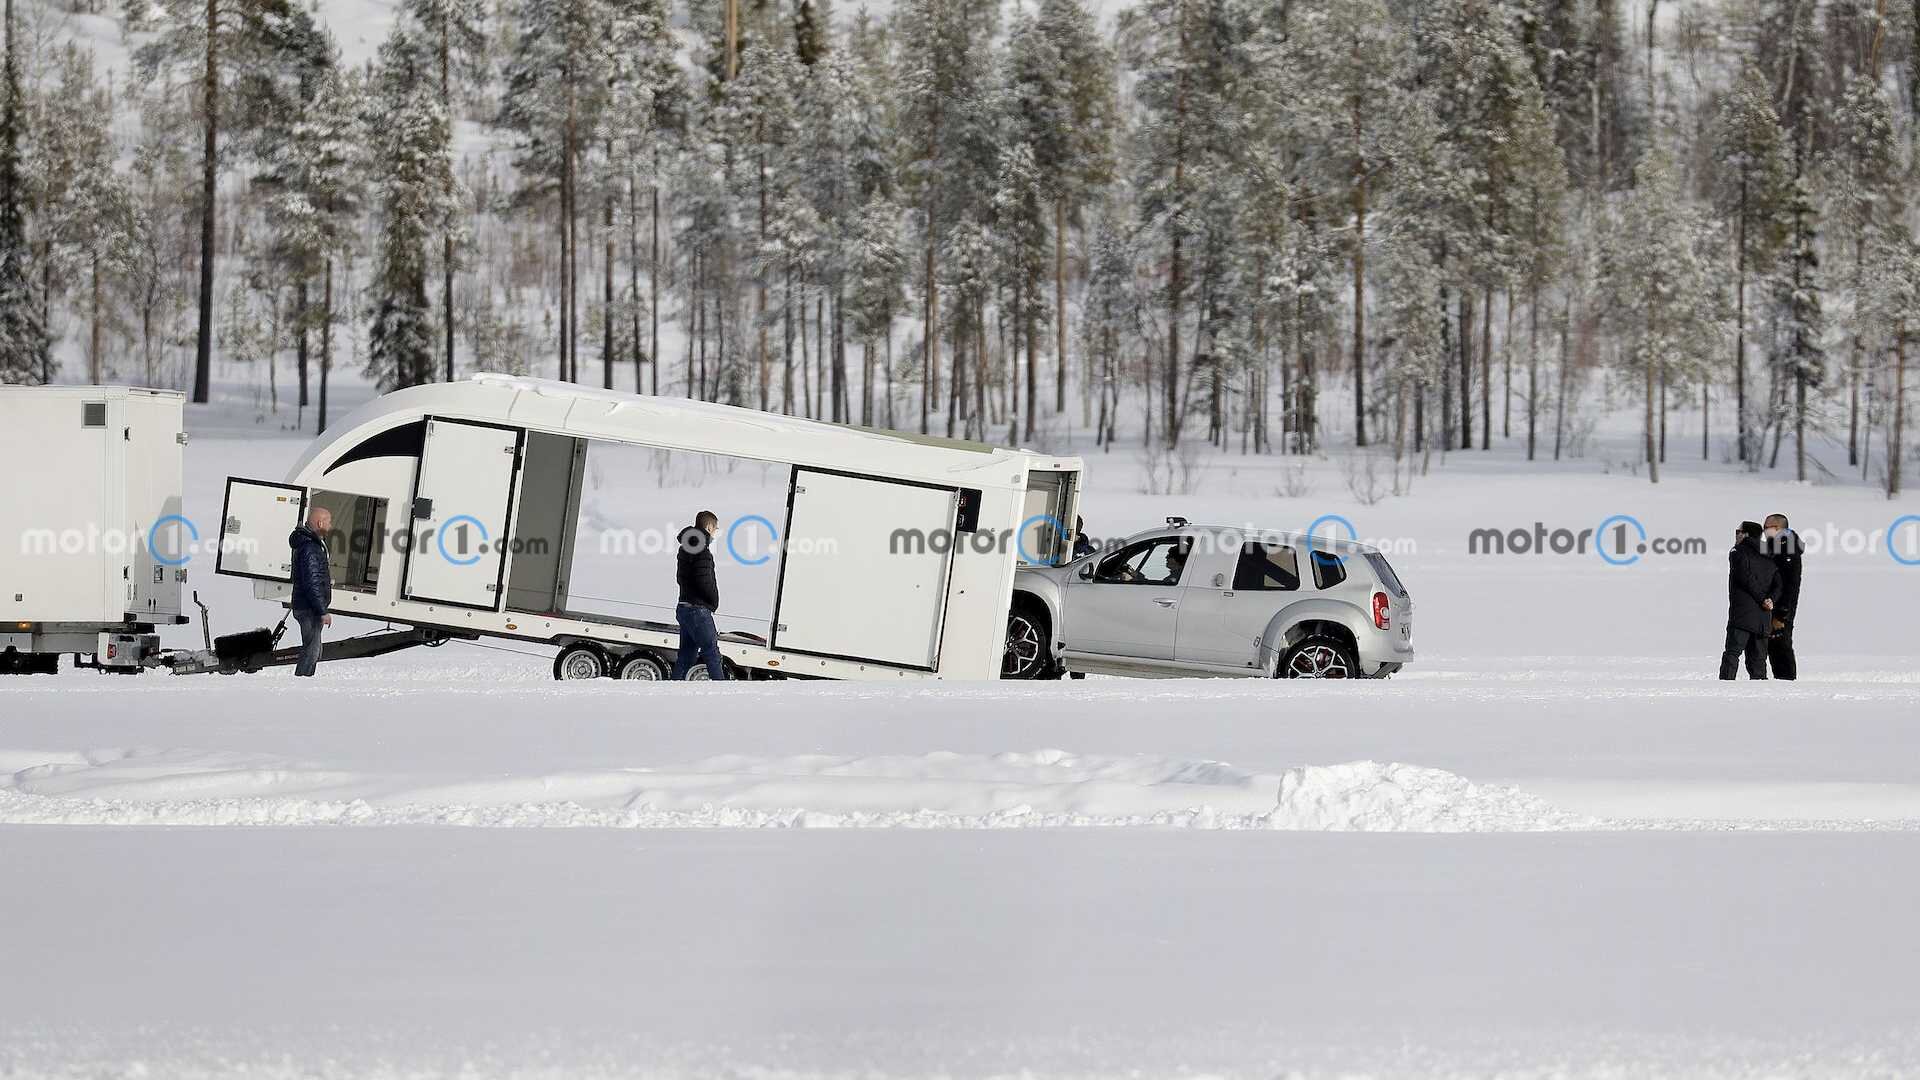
(1486, 371)
(1896, 444)
(446, 262)
(1359, 293)
(633, 280)
(1033, 355)
(301, 317)
(93, 333)
(1800, 422)
(1566, 358)
(653, 277)
(326, 343)
(1060, 303)
(786, 330)
(760, 287)
(209, 187)
(1506, 367)
(1466, 369)
(1740, 323)
(606, 300)
(1533, 367)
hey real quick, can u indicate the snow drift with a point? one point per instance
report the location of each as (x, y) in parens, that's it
(1046, 788)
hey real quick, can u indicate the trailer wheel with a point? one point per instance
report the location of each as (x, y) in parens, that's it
(580, 661)
(642, 665)
(698, 672)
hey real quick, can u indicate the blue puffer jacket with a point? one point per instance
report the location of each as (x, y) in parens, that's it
(312, 580)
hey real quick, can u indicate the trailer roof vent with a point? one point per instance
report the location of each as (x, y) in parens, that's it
(93, 414)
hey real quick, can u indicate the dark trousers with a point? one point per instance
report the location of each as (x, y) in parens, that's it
(1748, 644)
(1780, 654)
(698, 639)
(310, 630)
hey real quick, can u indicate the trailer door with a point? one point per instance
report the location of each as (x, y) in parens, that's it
(462, 500)
(254, 525)
(847, 590)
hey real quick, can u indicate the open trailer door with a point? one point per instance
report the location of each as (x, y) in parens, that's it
(848, 589)
(462, 499)
(1049, 510)
(255, 521)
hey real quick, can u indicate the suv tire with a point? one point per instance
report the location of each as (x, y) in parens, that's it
(1319, 656)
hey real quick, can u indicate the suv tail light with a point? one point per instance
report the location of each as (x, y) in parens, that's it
(1382, 619)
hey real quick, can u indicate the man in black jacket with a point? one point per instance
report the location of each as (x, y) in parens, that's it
(699, 598)
(312, 585)
(1753, 589)
(1782, 545)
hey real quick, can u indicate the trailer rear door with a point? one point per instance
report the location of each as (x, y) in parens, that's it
(847, 588)
(462, 500)
(254, 526)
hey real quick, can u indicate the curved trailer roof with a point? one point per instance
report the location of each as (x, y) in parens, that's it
(669, 423)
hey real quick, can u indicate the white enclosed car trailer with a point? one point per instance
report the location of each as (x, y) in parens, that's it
(89, 525)
(498, 462)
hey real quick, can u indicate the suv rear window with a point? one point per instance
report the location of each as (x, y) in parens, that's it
(1385, 573)
(1328, 570)
(1263, 567)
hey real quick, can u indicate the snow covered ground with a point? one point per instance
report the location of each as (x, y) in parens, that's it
(1583, 856)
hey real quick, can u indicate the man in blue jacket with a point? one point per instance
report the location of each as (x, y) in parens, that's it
(312, 585)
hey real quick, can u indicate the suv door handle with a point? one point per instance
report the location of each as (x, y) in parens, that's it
(1165, 601)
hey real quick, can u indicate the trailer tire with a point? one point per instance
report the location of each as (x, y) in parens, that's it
(641, 665)
(580, 661)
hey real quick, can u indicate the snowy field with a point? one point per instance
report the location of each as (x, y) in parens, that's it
(1553, 847)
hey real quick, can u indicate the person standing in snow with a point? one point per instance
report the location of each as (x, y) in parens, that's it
(1753, 590)
(312, 585)
(699, 598)
(1782, 545)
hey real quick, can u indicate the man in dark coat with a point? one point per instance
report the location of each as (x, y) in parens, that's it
(1782, 545)
(312, 585)
(1753, 588)
(699, 598)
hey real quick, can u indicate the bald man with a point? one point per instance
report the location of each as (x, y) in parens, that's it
(312, 585)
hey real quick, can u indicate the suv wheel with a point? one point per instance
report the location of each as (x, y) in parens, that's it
(1029, 653)
(1319, 657)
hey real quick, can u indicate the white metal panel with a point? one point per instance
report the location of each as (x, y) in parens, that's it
(62, 537)
(463, 497)
(153, 435)
(259, 517)
(844, 589)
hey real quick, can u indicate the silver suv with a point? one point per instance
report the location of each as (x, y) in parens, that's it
(1189, 600)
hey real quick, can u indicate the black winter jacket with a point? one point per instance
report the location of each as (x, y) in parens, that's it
(1785, 551)
(312, 578)
(693, 570)
(1751, 579)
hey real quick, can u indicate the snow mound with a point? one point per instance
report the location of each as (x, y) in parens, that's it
(1365, 796)
(1044, 789)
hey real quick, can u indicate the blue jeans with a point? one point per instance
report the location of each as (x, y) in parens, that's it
(698, 638)
(310, 630)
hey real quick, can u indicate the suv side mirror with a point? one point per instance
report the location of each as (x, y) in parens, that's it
(1086, 572)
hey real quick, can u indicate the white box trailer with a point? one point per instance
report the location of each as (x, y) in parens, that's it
(455, 509)
(90, 525)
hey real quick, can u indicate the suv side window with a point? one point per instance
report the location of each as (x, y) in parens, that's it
(1266, 567)
(1328, 570)
(1159, 561)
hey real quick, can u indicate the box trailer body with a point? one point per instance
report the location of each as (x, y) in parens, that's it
(456, 507)
(90, 530)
